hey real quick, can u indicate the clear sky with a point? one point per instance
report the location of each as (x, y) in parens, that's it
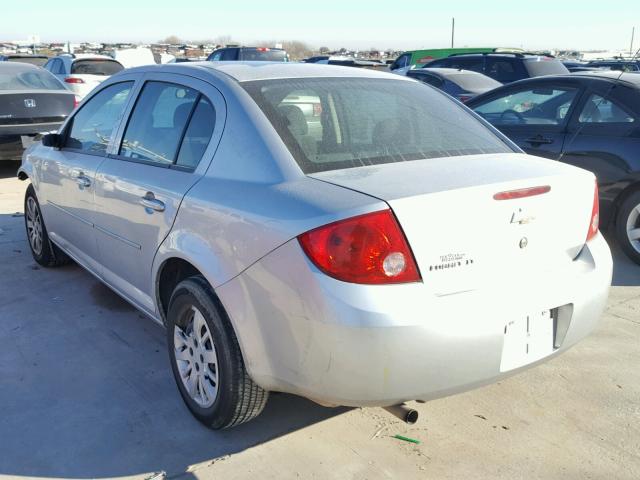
(585, 24)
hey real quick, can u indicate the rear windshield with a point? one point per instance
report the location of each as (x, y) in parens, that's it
(32, 79)
(337, 123)
(96, 67)
(267, 55)
(37, 61)
(545, 66)
(471, 82)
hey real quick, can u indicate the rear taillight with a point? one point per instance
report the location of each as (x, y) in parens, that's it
(595, 215)
(464, 98)
(73, 80)
(370, 249)
(76, 101)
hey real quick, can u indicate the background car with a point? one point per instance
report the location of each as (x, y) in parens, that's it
(575, 66)
(83, 72)
(422, 57)
(615, 64)
(503, 67)
(393, 257)
(262, 54)
(591, 120)
(460, 84)
(37, 60)
(31, 101)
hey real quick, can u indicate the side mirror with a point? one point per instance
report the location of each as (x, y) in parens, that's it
(51, 140)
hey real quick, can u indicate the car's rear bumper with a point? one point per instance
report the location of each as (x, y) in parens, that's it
(344, 344)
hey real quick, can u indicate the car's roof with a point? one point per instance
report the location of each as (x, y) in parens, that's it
(248, 71)
(613, 75)
(23, 55)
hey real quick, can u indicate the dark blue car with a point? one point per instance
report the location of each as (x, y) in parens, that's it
(588, 119)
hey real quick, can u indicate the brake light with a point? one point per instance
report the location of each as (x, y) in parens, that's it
(464, 98)
(367, 249)
(262, 49)
(73, 80)
(76, 101)
(317, 109)
(522, 193)
(595, 215)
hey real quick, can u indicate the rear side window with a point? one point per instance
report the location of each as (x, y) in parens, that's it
(157, 123)
(368, 121)
(600, 110)
(92, 127)
(170, 125)
(229, 54)
(198, 134)
(96, 66)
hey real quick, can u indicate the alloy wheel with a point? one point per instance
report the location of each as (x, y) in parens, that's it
(633, 228)
(196, 359)
(34, 226)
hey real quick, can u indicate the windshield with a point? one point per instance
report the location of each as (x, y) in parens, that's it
(336, 123)
(264, 55)
(96, 67)
(35, 79)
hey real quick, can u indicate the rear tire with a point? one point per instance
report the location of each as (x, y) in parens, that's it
(628, 226)
(43, 250)
(206, 360)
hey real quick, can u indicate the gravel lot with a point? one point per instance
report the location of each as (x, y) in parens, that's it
(86, 392)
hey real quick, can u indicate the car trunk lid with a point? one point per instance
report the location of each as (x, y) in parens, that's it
(461, 236)
(35, 106)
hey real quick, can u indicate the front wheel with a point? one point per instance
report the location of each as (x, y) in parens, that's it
(206, 360)
(44, 252)
(628, 226)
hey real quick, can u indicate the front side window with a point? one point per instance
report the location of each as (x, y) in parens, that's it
(92, 127)
(158, 121)
(402, 61)
(532, 106)
(368, 121)
(600, 110)
(502, 69)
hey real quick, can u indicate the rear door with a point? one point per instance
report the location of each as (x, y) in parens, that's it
(162, 151)
(534, 115)
(604, 137)
(67, 176)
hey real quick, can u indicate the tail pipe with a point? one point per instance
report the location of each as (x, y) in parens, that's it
(404, 413)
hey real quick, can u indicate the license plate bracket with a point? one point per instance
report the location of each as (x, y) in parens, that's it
(528, 339)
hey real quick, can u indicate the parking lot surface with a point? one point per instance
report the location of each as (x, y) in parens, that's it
(87, 392)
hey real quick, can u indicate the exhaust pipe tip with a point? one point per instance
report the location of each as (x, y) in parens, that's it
(404, 413)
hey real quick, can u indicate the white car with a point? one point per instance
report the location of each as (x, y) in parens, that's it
(83, 72)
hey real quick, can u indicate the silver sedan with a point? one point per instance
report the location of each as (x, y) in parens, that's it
(351, 236)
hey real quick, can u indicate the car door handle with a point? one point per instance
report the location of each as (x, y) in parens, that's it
(539, 140)
(83, 181)
(150, 202)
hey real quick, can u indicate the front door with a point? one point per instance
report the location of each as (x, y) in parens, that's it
(163, 150)
(68, 175)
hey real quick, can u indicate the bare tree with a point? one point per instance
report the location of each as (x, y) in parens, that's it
(172, 40)
(324, 50)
